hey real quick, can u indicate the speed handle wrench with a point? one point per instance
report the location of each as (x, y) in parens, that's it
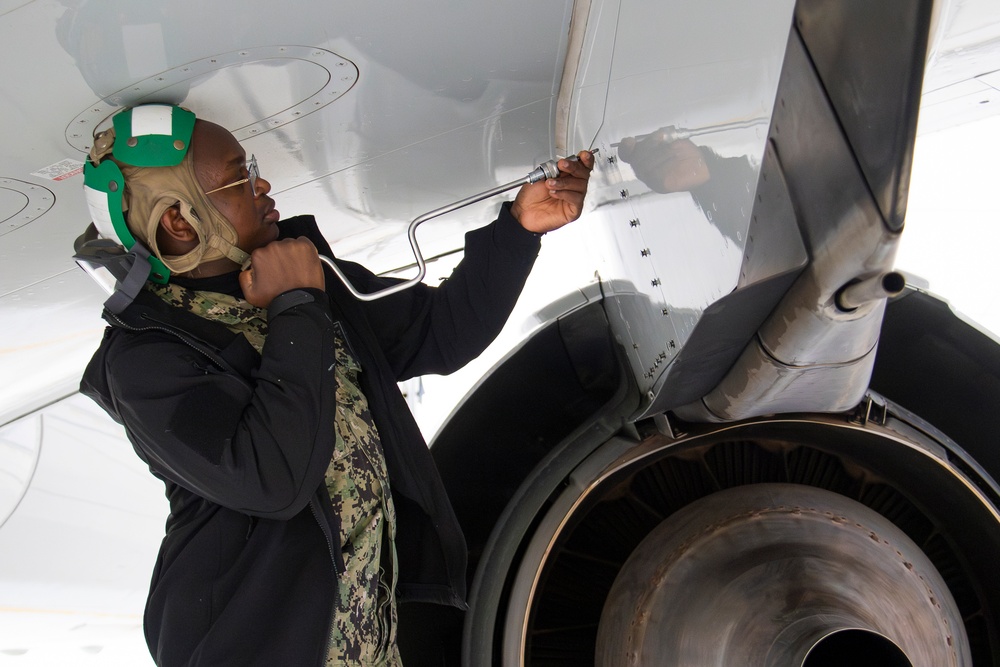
(545, 170)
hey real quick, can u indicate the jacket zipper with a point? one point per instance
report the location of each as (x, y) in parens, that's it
(333, 561)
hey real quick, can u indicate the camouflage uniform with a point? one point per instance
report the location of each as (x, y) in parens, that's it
(237, 314)
(363, 631)
(364, 622)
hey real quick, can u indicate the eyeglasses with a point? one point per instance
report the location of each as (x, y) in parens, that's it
(252, 175)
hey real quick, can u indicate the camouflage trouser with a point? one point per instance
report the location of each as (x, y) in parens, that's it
(364, 618)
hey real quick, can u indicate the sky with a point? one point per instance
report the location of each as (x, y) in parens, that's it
(951, 236)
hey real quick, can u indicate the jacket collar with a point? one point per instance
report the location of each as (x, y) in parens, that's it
(148, 311)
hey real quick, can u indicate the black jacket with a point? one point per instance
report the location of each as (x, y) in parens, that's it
(242, 442)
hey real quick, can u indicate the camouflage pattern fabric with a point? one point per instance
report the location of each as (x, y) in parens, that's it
(364, 619)
(237, 314)
(363, 631)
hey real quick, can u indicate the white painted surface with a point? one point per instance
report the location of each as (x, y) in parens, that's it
(76, 555)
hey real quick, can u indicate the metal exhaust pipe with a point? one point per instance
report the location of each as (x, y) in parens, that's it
(856, 294)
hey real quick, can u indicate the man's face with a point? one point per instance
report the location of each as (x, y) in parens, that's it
(220, 160)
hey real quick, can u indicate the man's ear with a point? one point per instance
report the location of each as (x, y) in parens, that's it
(176, 226)
(175, 235)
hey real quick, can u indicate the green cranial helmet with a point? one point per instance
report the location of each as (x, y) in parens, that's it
(153, 135)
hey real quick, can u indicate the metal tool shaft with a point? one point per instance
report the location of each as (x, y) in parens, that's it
(548, 169)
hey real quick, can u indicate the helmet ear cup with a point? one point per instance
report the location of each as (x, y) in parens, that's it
(152, 135)
(103, 186)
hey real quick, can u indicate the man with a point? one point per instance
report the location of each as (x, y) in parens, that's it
(266, 401)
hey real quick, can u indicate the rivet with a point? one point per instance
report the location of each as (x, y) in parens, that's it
(634, 222)
(132, 142)
(644, 252)
(655, 282)
(624, 194)
(178, 144)
(665, 312)
(673, 345)
(113, 186)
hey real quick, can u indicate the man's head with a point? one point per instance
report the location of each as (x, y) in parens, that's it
(167, 172)
(221, 170)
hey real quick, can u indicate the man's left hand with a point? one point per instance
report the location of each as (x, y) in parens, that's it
(547, 205)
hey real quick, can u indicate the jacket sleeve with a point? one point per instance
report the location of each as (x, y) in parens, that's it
(259, 447)
(438, 330)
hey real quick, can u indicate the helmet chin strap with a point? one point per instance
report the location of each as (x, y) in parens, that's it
(222, 248)
(216, 236)
(230, 251)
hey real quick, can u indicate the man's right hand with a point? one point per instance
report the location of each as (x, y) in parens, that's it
(280, 266)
